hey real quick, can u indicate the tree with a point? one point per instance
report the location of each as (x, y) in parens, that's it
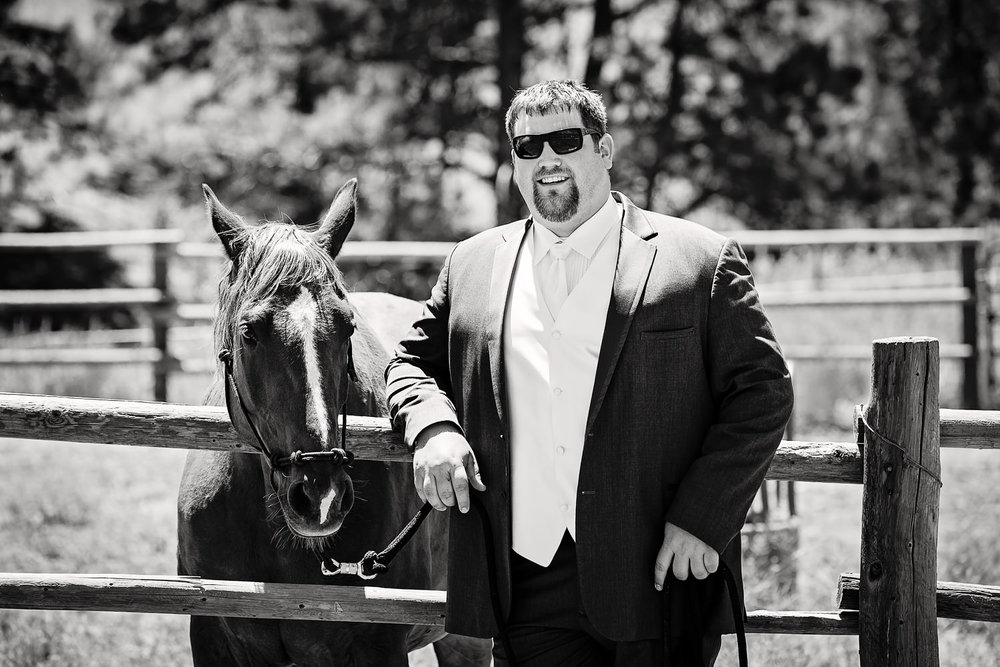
(937, 62)
(45, 76)
(804, 114)
(725, 105)
(787, 113)
(293, 98)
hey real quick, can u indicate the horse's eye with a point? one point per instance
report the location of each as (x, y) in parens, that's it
(247, 334)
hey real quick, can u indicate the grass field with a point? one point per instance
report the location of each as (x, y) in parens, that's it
(106, 509)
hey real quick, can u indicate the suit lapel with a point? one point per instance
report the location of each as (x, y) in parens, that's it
(504, 261)
(635, 260)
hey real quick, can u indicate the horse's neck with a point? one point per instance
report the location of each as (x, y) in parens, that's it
(370, 361)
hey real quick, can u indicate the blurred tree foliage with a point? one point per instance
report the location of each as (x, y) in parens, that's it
(938, 64)
(735, 105)
(763, 113)
(44, 76)
(805, 113)
(276, 104)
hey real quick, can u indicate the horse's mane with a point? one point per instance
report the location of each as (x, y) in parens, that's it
(272, 256)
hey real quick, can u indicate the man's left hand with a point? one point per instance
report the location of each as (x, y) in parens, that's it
(685, 553)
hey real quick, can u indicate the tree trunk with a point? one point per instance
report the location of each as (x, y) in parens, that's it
(511, 46)
(665, 132)
(600, 43)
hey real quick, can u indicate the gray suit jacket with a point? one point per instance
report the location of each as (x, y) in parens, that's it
(689, 404)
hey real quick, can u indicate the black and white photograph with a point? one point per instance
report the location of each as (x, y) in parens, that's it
(512, 333)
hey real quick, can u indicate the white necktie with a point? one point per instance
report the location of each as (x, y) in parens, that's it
(556, 288)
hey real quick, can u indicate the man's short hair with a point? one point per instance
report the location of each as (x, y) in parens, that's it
(554, 96)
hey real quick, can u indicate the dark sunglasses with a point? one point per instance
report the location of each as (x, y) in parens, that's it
(530, 146)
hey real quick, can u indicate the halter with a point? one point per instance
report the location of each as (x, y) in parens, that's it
(276, 462)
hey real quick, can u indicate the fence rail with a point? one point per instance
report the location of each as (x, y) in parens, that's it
(902, 296)
(149, 424)
(95, 240)
(83, 355)
(51, 299)
(893, 605)
(972, 296)
(749, 239)
(213, 597)
(966, 602)
(153, 424)
(301, 602)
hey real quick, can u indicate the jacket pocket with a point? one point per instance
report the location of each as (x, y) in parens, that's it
(666, 334)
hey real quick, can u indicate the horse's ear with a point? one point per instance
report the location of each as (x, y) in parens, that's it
(339, 219)
(227, 224)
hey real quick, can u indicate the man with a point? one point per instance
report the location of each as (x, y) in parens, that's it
(607, 378)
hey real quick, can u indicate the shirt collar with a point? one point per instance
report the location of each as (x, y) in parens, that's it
(586, 238)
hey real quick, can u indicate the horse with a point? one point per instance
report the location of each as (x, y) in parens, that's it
(296, 350)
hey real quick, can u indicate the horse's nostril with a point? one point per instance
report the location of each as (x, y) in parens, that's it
(313, 503)
(299, 500)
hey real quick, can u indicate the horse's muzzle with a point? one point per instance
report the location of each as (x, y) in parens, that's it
(316, 505)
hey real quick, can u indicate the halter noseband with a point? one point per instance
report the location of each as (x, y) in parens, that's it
(338, 456)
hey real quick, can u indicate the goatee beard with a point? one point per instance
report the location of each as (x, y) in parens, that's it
(556, 207)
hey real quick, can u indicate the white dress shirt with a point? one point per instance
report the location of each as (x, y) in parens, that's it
(550, 351)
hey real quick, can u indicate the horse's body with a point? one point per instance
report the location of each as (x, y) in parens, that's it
(239, 520)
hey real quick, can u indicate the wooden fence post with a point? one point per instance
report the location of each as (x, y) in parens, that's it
(985, 289)
(902, 468)
(162, 314)
(971, 326)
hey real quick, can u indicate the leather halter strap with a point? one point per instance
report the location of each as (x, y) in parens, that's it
(339, 455)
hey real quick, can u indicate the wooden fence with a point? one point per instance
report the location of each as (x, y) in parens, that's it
(892, 604)
(166, 310)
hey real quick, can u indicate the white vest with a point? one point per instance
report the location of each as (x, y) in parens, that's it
(550, 368)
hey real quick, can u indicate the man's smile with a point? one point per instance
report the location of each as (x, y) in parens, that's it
(553, 179)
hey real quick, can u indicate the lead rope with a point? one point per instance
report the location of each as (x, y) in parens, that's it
(734, 602)
(373, 564)
(729, 579)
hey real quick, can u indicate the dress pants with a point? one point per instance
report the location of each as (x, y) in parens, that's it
(549, 627)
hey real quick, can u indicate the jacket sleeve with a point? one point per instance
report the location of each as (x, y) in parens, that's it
(752, 395)
(418, 385)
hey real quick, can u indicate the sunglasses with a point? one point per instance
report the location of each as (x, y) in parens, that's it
(530, 146)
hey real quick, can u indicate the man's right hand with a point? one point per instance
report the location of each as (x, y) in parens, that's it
(444, 466)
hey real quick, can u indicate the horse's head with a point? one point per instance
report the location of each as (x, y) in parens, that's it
(283, 330)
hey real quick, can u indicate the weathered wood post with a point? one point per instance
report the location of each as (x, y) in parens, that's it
(899, 516)
(972, 325)
(985, 318)
(162, 313)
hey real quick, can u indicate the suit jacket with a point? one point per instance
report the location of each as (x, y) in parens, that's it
(690, 400)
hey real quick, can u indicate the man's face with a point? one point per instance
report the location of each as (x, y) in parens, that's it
(563, 191)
